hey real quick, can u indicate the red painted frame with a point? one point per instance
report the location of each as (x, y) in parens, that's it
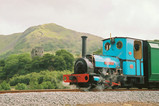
(79, 78)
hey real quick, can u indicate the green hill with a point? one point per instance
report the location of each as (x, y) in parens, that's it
(51, 37)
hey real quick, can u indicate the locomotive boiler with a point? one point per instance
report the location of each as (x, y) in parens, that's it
(125, 63)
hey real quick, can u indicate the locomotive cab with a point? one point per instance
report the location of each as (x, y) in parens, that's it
(130, 53)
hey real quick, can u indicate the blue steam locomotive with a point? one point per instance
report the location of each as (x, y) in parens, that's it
(126, 62)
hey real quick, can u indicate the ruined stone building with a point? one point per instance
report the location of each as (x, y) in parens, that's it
(37, 51)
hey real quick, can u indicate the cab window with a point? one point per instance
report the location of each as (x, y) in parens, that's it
(137, 50)
(107, 46)
(119, 45)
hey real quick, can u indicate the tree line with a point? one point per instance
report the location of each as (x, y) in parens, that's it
(23, 63)
(16, 66)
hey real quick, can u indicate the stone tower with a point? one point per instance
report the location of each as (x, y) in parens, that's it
(37, 51)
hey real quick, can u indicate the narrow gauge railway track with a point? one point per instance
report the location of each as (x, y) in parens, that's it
(72, 90)
(43, 90)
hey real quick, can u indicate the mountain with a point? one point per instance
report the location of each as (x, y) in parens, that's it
(51, 37)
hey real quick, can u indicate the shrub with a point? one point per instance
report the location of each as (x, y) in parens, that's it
(48, 85)
(4, 86)
(20, 79)
(42, 80)
(1, 88)
(21, 86)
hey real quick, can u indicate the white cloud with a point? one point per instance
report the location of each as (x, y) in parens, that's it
(133, 18)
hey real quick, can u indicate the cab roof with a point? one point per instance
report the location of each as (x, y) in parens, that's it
(123, 37)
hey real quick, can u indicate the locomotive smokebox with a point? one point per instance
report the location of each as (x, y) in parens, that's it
(84, 46)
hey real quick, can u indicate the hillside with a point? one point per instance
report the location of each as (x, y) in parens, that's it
(8, 42)
(51, 37)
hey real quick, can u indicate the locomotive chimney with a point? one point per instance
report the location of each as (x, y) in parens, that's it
(84, 46)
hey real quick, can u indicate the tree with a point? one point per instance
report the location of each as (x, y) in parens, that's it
(4, 86)
(24, 61)
(98, 52)
(48, 85)
(59, 63)
(2, 63)
(36, 62)
(33, 84)
(11, 66)
(21, 86)
(68, 58)
(47, 61)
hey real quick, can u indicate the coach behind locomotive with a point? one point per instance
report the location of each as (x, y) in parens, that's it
(126, 62)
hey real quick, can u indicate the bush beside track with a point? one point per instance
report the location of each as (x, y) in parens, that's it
(42, 80)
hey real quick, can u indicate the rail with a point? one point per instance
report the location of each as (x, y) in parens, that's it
(72, 90)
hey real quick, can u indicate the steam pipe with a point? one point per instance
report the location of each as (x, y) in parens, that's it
(84, 46)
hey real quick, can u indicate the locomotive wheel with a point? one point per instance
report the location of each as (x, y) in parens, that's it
(128, 87)
(115, 87)
(102, 86)
(140, 87)
(85, 86)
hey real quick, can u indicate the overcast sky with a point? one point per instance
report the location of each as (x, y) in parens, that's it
(131, 18)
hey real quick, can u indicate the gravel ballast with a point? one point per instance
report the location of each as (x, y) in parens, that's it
(62, 98)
